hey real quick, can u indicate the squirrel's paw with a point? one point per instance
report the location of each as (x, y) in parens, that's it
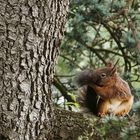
(122, 113)
(101, 114)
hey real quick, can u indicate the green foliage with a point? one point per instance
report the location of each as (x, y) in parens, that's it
(129, 41)
(102, 9)
(98, 31)
(118, 128)
(108, 122)
(118, 4)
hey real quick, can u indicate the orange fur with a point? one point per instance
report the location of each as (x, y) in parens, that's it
(115, 99)
(115, 107)
(115, 94)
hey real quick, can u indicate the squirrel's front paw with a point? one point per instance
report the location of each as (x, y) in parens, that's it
(101, 114)
(122, 113)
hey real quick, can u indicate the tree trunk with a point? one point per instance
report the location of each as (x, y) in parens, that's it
(30, 34)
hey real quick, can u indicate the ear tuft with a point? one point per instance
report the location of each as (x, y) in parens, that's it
(109, 64)
(113, 71)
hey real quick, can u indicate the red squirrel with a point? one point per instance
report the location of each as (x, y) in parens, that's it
(104, 92)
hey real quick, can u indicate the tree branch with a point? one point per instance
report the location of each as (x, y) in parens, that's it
(75, 126)
(57, 83)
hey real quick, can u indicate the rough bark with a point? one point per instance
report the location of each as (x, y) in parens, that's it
(30, 34)
(78, 126)
(74, 126)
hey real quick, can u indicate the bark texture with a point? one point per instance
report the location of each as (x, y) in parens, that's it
(30, 34)
(74, 126)
(78, 126)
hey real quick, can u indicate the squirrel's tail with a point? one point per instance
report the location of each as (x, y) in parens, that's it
(86, 77)
(88, 100)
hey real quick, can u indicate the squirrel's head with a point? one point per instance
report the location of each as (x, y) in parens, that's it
(100, 77)
(105, 76)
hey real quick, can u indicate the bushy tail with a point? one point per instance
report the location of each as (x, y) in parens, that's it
(88, 100)
(86, 77)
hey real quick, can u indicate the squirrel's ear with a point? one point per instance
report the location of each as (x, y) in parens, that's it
(109, 64)
(113, 70)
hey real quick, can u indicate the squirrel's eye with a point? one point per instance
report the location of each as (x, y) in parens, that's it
(103, 75)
